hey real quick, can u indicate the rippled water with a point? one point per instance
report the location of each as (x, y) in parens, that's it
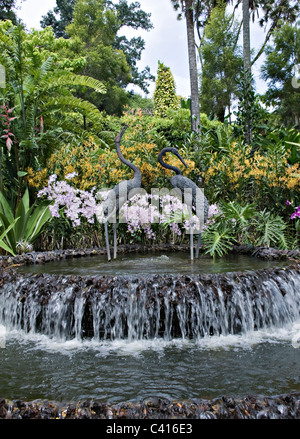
(172, 263)
(53, 364)
(262, 363)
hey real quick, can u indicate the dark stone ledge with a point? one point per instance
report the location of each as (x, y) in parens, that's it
(285, 406)
(56, 255)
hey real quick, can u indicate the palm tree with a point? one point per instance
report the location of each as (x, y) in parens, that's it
(247, 64)
(246, 36)
(275, 13)
(187, 8)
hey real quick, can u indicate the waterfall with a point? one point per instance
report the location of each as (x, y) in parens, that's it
(149, 307)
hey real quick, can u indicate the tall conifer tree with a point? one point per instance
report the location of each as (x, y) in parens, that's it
(165, 92)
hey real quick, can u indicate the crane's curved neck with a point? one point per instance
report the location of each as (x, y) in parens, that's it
(137, 172)
(166, 165)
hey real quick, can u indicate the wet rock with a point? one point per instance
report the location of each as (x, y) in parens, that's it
(152, 402)
(276, 407)
(3, 409)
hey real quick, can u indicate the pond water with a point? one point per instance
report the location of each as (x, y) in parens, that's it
(160, 263)
(49, 360)
(36, 367)
(264, 363)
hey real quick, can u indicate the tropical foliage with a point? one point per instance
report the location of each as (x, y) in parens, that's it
(221, 63)
(234, 223)
(39, 108)
(65, 97)
(96, 29)
(280, 70)
(8, 10)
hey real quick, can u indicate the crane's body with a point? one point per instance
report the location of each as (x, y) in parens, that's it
(119, 194)
(192, 194)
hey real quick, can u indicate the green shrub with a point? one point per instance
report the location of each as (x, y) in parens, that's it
(245, 225)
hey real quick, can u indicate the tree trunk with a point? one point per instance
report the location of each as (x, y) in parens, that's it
(195, 106)
(246, 37)
(247, 67)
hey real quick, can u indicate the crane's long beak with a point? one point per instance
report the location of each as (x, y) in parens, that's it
(182, 161)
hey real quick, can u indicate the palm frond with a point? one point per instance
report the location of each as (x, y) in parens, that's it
(72, 80)
(73, 103)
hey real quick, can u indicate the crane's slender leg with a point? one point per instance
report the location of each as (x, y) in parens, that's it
(192, 243)
(198, 245)
(107, 237)
(115, 240)
(107, 241)
(191, 234)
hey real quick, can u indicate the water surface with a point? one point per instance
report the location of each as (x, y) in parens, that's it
(35, 367)
(258, 362)
(160, 263)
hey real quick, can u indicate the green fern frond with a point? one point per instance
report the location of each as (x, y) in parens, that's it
(73, 103)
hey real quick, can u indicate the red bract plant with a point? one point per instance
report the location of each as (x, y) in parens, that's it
(6, 122)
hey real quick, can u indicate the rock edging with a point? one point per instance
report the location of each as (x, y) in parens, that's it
(265, 253)
(285, 406)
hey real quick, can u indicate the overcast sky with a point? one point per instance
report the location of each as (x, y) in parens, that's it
(167, 42)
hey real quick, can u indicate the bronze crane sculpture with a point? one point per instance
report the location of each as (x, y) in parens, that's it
(119, 194)
(194, 196)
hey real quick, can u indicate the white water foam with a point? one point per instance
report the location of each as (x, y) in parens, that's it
(289, 334)
(2, 337)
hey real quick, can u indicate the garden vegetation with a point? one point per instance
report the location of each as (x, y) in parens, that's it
(66, 97)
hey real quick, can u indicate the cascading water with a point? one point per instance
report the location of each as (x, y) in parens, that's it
(148, 307)
(178, 336)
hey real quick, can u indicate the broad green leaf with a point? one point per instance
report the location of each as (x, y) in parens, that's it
(40, 216)
(22, 173)
(9, 228)
(293, 143)
(9, 232)
(20, 226)
(6, 246)
(5, 208)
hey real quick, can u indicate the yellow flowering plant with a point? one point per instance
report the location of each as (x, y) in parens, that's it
(82, 159)
(100, 167)
(265, 178)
